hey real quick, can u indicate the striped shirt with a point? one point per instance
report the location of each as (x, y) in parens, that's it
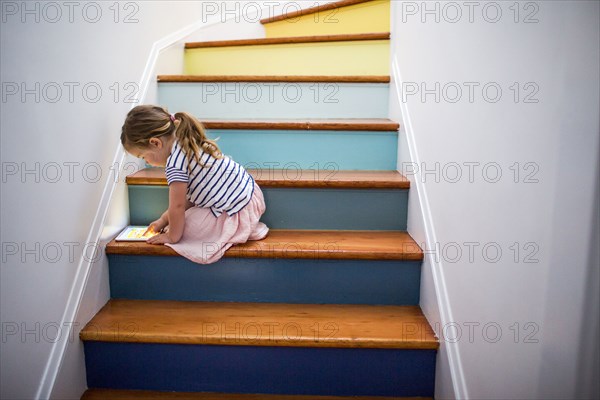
(222, 185)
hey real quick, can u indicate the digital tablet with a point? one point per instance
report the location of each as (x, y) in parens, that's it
(135, 234)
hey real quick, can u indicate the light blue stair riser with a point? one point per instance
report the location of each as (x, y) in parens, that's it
(255, 100)
(270, 280)
(294, 150)
(305, 149)
(297, 208)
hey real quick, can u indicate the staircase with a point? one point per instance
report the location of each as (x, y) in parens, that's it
(327, 306)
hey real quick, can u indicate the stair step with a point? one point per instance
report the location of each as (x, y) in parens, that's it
(299, 199)
(315, 124)
(261, 369)
(335, 267)
(290, 40)
(260, 348)
(300, 208)
(114, 394)
(279, 178)
(298, 281)
(309, 149)
(354, 54)
(304, 244)
(339, 326)
(316, 208)
(274, 78)
(271, 96)
(340, 17)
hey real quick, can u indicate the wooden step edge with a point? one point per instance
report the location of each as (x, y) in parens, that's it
(290, 40)
(204, 323)
(312, 10)
(274, 78)
(294, 178)
(303, 244)
(381, 125)
(119, 394)
(372, 125)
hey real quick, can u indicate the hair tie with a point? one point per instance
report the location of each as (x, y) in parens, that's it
(172, 118)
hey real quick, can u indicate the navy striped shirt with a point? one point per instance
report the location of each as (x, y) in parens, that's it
(222, 185)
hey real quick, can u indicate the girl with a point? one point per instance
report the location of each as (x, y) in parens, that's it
(223, 202)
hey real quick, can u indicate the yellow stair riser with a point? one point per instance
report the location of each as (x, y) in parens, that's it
(359, 18)
(362, 57)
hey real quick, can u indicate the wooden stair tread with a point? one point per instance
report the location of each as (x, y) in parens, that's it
(305, 244)
(275, 78)
(278, 178)
(347, 124)
(115, 394)
(290, 40)
(261, 324)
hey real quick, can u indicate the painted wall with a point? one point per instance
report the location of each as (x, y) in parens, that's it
(501, 142)
(67, 140)
(70, 72)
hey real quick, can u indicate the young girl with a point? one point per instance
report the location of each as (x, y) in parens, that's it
(223, 202)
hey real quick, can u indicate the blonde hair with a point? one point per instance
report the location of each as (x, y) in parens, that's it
(146, 122)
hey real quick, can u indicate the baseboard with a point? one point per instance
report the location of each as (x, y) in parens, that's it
(434, 300)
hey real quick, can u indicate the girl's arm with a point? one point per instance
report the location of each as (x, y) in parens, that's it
(178, 203)
(163, 221)
(160, 224)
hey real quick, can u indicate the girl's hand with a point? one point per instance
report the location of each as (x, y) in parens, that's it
(159, 239)
(157, 226)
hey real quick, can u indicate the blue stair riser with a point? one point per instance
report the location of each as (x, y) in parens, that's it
(254, 369)
(305, 149)
(256, 100)
(297, 208)
(300, 281)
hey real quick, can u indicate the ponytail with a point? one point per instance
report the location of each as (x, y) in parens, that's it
(192, 138)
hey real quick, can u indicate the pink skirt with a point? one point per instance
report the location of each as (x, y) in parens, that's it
(206, 237)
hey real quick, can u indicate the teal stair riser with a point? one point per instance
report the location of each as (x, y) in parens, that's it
(304, 149)
(292, 208)
(301, 281)
(256, 100)
(260, 369)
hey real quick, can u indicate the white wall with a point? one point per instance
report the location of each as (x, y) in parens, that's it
(49, 211)
(67, 139)
(548, 214)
